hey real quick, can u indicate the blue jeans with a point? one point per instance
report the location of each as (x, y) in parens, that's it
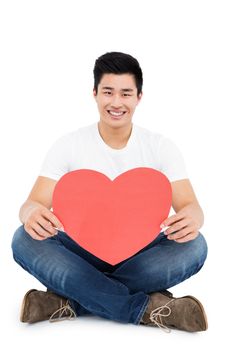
(92, 286)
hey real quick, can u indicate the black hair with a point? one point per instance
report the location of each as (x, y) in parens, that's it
(117, 63)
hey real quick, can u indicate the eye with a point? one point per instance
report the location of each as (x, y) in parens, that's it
(127, 95)
(107, 92)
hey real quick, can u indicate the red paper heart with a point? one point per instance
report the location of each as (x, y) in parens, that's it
(112, 220)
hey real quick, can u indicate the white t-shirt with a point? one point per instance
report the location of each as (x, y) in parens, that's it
(85, 149)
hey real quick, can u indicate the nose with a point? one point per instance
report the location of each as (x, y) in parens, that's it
(116, 101)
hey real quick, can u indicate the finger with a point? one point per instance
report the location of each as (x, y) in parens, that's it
(186, 238)
(177, 226)
(34, 234)
(179, 234)
(47, 226)
(47, 214)
(171, 220)
(40, 230)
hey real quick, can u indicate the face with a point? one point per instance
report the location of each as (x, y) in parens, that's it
(117, 99)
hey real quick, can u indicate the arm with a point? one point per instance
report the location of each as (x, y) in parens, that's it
(35, 213)
(189, 216)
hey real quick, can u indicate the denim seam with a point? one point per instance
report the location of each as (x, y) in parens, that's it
(143, 309)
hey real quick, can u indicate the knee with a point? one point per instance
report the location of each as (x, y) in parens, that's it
(19, 240)
(199, 250)
(202, 247)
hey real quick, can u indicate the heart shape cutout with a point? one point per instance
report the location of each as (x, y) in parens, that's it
(112, 219)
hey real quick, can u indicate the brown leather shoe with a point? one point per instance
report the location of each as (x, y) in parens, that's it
(40, 306)
(186, 313)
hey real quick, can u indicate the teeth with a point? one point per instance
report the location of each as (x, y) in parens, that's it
(117, 114)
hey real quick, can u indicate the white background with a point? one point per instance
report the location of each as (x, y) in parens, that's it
(48, 49)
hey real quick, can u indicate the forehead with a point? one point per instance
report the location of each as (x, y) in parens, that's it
(118, 81)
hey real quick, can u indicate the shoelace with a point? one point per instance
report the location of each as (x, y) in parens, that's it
(157, 314)
(61, 312)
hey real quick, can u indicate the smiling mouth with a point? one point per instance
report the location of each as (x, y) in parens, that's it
(116, 114)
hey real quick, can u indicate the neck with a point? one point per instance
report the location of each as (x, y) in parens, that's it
(115, 137)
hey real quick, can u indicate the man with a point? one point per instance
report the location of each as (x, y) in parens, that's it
(79, 283)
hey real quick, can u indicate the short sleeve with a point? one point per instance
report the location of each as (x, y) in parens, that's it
(171, 160)
(58, 158)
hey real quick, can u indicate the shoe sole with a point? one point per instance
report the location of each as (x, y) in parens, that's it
(202, 309)
(22, 319)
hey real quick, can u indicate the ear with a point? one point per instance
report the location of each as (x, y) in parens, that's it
(140, 97)
(94, 93)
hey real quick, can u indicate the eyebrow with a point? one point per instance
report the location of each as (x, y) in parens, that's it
(111, 88)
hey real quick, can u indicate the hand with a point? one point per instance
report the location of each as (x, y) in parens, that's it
(41, 223)
(183, 226)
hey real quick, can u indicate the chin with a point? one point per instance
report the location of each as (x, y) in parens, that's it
(116, 123)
